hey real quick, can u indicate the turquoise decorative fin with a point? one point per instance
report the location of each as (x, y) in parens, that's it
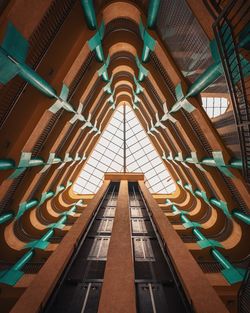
(233, 275)
(10, 277)
(220, 163)
(64, 92)
(8, 70)
(15, 44)
(208, 243)
(37, 244)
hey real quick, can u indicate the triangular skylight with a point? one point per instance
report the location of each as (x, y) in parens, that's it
(140, 156)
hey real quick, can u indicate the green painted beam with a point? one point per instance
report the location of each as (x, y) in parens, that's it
(6, 217)
(11, 277)
(231, 274)
(241, 216)
(89, 13)
(6, 164)
(13, 53)
(187, 223)
(216, 161)
(27, 162)
(221, 205)
(153, 9)
(204, 242)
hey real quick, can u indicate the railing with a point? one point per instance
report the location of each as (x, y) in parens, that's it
(231, 30)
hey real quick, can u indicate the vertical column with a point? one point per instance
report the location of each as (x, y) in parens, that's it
(118, 290)
(199, 292)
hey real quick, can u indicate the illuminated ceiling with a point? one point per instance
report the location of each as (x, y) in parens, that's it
(139, 156)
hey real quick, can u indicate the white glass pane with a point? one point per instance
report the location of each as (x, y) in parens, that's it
(108, 156)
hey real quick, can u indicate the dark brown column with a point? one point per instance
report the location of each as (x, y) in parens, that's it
(118, 290)
(196, 286)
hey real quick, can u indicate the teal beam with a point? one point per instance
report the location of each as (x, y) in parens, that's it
(236, 164)
(57, 160)
(153, 9)
(176, 211)
(6, 217)
(13, 53)
(221, 259)
(6, 164)
(60, 224)
(204, 80)
(48, 235)
(45, 196)
(143, 72)
(23, 207)
(49, 194)
(61, 188)
(71, 211)
(189, 187)
(139, 88)
(149, 42)
(217, 161)
(25, 259)
(42, 243)
(95, 43)
(203, 242)
(222, 205)
(31, 203)
(99, 53)
(103, 71)
(241, 216)
(198, 234)
(198, 193)
(36, 80)
(36, 162)
(210, 75)
(89, 13)
(187, 223)
(184, 219)
(201, 83)
(145, 53)
(208, 161)
(216, 202)
(10, 277)
(63, 219)
(231, 274)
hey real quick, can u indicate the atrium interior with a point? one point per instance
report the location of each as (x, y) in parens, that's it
(124, 156)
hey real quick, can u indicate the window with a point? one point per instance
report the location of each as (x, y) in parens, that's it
(108, 156)
(214, 106)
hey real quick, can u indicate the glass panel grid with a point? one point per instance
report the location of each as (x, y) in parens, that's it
(214, 106)
(108, 156)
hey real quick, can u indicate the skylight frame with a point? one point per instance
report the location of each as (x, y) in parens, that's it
(143, 157)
